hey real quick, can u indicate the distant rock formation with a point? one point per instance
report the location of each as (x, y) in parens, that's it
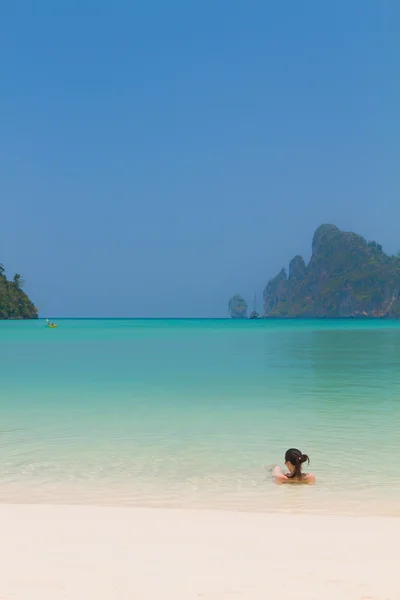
(297, 269)
(14, 303)
(237, 307)
(346, 277)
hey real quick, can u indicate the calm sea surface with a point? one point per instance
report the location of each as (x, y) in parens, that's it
(187, 413)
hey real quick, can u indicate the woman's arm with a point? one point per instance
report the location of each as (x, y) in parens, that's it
(278, 475)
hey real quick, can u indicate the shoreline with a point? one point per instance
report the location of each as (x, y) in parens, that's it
(175, 507)
(81, 552)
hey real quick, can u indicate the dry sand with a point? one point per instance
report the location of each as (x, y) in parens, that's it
(85, 553)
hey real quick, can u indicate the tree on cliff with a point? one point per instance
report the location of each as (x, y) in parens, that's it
(18, 281)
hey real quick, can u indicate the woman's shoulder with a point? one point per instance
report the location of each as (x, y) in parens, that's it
(309, 478)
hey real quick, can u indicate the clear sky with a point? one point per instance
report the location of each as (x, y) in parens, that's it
(157, 157)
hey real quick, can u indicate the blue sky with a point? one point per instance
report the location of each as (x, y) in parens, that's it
(156, 158)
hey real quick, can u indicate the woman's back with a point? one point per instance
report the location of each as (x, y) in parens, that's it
(293, 461)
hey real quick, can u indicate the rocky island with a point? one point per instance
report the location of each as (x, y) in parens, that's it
(346, 277)
(237, 307)
(14, 303)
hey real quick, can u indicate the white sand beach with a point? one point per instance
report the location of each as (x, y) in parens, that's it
(81, 552)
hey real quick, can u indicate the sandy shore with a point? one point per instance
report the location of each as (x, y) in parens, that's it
(75, 552)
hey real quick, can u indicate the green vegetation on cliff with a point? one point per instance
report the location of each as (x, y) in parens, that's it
(14, 303)
(346, 277)
(237, 307)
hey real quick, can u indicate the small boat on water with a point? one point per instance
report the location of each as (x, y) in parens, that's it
(255, 314)
(50, 325)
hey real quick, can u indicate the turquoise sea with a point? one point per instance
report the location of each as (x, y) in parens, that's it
(186, 413)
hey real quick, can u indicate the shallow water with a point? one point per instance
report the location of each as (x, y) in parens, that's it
(187, 413)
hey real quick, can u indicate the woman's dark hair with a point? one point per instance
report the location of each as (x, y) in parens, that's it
(296, 458)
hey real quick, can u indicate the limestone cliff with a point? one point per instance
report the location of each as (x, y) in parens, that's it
(346, 277)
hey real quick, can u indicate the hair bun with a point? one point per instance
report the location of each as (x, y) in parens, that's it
(304, 458)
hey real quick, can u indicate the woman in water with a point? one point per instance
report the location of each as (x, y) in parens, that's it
(293, 461)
